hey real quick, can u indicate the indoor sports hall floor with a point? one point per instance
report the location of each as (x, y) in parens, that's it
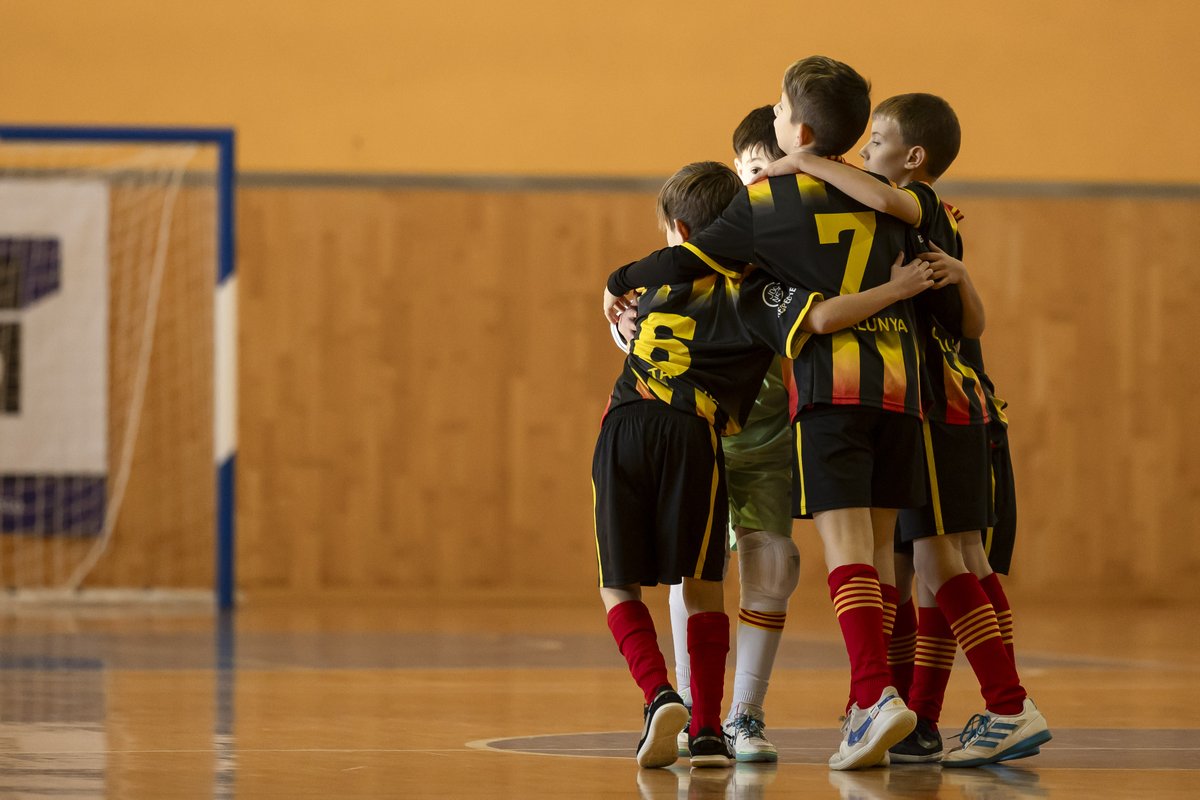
(506, 699)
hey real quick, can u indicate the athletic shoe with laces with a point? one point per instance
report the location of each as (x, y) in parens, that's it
(664, 718)
(681, 741)
(991, 738)
(922, 746)
(747, 738)
(867, 734)
(708, 749)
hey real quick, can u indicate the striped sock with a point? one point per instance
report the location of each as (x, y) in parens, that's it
(933, 659)
(759, 633)
(891, 598)
(902, 648)
(633, 628)
(858, 603)
(973, 620)
(995, 592)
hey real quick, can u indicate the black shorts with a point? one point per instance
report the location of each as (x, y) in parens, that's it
(957, 481)
(658, 479)
(998, 540)
(856, 457)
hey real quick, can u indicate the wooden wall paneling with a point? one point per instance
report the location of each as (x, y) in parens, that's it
(425, 370)
(1086, 303)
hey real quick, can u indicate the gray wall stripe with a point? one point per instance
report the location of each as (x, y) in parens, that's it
(582, 183)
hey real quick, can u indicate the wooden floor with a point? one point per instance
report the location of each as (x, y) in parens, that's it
(506, 699)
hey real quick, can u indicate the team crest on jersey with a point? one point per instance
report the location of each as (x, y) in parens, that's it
(774, 294)
(778, 297)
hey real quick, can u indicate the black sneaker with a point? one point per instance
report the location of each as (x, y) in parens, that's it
(922, 746)
(708, 749)
(664, 719)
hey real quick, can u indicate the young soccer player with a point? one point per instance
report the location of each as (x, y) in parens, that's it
(858, 432)
(699, 353)
(914, 138)
(758, 475)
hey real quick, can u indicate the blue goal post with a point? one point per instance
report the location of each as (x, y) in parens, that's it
(224, 308)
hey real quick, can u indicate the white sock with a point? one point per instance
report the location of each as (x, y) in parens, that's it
(756, 649)
(679, 626)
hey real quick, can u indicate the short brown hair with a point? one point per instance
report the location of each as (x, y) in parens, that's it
(697, 194)
(832, 99)
(757, 130)
(927, 121)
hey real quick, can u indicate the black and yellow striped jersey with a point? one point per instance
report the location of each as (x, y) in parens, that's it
(956, 390)
(812, 236)
(971, 353)
(704, 345)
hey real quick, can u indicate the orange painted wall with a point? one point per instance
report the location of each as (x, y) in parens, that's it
(1064, 90)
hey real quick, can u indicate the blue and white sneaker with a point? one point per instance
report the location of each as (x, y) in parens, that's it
(868, 733)
(991, 738)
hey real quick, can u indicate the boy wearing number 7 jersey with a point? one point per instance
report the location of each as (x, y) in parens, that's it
(858, 420)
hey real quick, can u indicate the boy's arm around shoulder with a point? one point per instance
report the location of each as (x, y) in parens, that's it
(847, 310)
(726, 246)
(948, 270)
(859, 184)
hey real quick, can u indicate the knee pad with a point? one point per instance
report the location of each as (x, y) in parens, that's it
(769, 566)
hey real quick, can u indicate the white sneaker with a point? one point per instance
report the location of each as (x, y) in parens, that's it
(681, 741)
(747, 738)
(868, 733)
(991, 738)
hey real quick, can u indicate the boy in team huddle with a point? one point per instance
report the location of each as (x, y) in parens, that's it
(857, 428)
(701, 347)
(699, 353)
(758, 474)
(914, 138)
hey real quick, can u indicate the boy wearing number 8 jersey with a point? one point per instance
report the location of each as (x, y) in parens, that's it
(857, 425)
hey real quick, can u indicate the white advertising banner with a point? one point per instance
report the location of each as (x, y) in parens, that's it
(53, 347)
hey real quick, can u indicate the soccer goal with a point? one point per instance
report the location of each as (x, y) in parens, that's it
(117, 363)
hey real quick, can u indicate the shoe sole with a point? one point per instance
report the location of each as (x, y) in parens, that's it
(708, 762)
(897, 728)
(660, 749)
(757, 758)
(1022, 749)
(905, 758)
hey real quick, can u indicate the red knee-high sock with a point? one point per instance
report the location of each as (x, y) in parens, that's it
(932, 662)
(858, 603)
(995, 592)
(891, 599)
(633, 628)
(902, 647)
(708, 645)
(973, 620)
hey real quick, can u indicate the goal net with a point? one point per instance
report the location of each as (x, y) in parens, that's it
(110, 253)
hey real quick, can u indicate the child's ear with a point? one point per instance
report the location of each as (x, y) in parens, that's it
(804, 136)
(682, 227)
(916, 157)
